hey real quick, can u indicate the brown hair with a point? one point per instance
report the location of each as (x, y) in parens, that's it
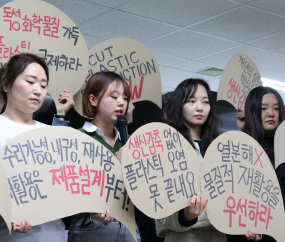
(17, 65)
(97, 85)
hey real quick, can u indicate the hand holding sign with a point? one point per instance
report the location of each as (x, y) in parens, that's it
(161, 170)
(242, 187)
(108, 217)
(197, 206)
(240, 76)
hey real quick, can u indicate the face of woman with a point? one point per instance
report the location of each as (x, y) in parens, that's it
(113, 103)
(270, 113)
(197, 108)
(28, 91)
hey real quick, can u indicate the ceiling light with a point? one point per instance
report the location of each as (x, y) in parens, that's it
(279, 86)
(213, 71)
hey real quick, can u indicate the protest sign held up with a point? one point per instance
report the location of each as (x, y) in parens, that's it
(240, 76)
(133, 61)
(34, 26)
(56, 172)
(161, 170)
(243, 190)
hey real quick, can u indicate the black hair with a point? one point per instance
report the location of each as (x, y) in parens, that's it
(253, 107)
(184, 91)
(17, 65)
(165, 99)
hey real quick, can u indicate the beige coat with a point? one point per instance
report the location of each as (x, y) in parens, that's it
(171, 223)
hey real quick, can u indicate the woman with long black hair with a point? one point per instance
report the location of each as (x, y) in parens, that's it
(191, 111)
(264, 112)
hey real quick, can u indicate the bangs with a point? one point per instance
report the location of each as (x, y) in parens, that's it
(189, 92)
(126, 87)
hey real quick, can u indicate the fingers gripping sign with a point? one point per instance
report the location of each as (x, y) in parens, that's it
(66, 101)
(251, 235)
(108, 217)
(240, 119)
(24, 227)
(197, 206)
(131, 109)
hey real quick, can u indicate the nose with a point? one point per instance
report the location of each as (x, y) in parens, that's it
(270, 112)
(199, 106)
(121, 101)
(37, 89)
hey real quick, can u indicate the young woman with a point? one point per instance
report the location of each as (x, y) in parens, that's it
(191, 111)
(264, 112)
(23, 83)
(105, 96)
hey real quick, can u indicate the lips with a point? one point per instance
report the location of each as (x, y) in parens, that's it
(36, 100)
(199, 116)
(270, 121)
(119, 112)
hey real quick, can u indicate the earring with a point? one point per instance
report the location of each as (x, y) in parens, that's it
(5, 90)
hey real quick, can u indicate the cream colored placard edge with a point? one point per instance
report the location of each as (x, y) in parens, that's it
(141, 196)
(60, 80)
(5, 199)
(279, 141)
(60, 202)
(215, 207)
(126, 56)
(235, 71)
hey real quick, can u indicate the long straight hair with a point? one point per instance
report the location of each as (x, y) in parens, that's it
(253, 107)
(184, 91)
